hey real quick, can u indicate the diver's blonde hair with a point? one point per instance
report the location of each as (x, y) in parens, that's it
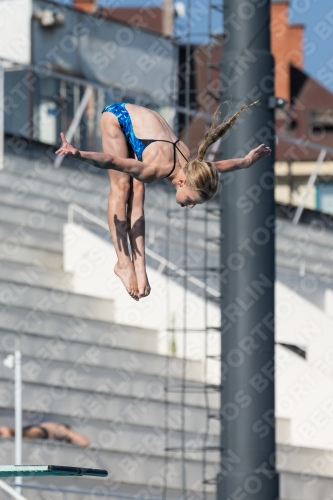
(201, 175)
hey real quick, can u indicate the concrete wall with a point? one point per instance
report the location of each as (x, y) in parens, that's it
(304, 386)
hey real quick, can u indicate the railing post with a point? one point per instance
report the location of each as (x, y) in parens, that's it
(18, 416)
(2, 116)
(11, 492)
(309, 186)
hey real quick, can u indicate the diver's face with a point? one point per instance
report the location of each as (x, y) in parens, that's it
(186, 197)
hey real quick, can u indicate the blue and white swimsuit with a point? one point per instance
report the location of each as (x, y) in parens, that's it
(137, 145)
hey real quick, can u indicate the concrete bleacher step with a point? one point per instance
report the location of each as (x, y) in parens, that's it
(136, 469)
(14, 251)
(41, 213)
(36, 274)
(62, 192)
(91, 195)
(32, 202)
(81, 405)
(50, 300)
(121, 437)
(77, 183)
(80, 178)
(100, 379)
(30, 218)
(307, 265)
(45, 349)
(123, 490)
(14, 235)
(302, 234)
(68, 329)
(54, 212)
(312, 251)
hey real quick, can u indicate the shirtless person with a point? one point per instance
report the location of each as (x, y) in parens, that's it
(48, 430)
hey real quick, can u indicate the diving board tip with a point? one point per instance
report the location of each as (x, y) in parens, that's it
(49, 470)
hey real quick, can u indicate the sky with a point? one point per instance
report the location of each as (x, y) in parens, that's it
(316, 15)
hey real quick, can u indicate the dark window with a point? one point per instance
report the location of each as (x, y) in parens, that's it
(321, 121)
(292, 125)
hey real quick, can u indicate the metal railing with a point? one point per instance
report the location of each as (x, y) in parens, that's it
(110, 87)
(67, 104)
(309, 186)
(153, 255)
(11, 491)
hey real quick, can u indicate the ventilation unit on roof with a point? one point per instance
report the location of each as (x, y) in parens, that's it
(49, 18)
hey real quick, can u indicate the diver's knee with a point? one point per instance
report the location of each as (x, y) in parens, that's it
(121, 189)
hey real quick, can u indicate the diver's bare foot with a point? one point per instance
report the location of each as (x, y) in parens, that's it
(142, 279)
(127, 275)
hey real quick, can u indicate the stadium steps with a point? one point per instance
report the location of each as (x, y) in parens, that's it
(11, 249)
(12, 235)
(45, 348)
(69, 328)
(24, 177)
(96, 378)
(29, 170)
(76, 334)
(35, 274)
(33, 202)
(124, 438)
(30, 218)
(51, 300)
(100, 405)
(312, 251)
(63, 186)
(133, 469)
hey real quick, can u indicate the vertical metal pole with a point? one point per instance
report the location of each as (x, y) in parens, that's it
(2, 116)
(170, 330)
(247, 254)
(185, 240)
(18, 416)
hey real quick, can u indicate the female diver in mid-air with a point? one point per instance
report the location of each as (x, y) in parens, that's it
(131, 162)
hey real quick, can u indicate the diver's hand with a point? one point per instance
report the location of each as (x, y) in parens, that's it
(257, 154)
(66, 148)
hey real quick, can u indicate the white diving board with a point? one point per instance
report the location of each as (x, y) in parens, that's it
(49, 470)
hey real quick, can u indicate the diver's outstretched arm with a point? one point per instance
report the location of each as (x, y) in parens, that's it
(137, 169)
(238, 163)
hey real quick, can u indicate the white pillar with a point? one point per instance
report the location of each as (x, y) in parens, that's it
(18, 416)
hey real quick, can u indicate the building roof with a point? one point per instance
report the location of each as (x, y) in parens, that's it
(309, 117)
(150, 18)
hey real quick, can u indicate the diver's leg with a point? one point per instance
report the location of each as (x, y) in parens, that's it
(114, 142)
(136, 232)
(64, 433)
